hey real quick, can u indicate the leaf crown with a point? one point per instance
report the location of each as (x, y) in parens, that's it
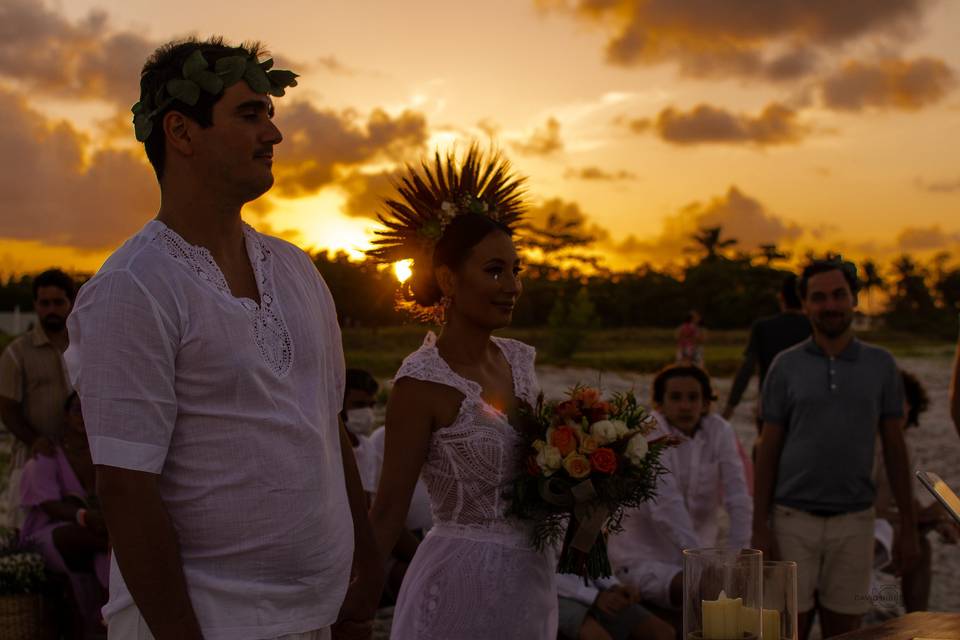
(197, 76)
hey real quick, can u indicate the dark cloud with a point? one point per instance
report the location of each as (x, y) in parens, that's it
(596, 173)
(940, 186)
(366, 192)
(544, 141)
(742, 217)
(706, 124)
(318, 143)
(54, 191)
(888, 84)
(926, 238)
(83, 59)
(776, 40)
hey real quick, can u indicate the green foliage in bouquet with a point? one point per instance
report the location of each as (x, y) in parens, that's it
(586, 461)
(21, 569)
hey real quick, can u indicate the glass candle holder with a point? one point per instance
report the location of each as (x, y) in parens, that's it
(779, 615)
(722, 594)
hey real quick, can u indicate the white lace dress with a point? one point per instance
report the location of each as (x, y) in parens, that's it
(475, 575)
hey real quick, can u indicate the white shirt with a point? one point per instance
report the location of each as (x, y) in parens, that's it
(420, 514)
(235, 406)
(704, 471)
(369, 460)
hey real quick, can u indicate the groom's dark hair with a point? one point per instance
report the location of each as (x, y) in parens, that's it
(165, 64)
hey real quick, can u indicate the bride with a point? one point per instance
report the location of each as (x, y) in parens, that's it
(452, 408)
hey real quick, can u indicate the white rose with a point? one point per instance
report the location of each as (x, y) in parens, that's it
(637, 448)
(621, 428)
(549, 459)
(603, 432)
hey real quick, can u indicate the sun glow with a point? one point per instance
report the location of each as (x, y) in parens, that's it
(402, 270)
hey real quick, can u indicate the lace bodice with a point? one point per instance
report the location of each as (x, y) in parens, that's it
(470, 462)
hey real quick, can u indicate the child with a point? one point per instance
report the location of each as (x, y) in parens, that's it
(705, 471)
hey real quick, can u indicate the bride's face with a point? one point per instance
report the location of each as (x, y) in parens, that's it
(486, 287)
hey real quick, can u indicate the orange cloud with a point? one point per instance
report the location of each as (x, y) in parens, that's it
(56, 192)
(596, 173)
(888, 84)
(920, 239)
(742, 217)
(781, 40)
(319, 143)
(85, 59)
(706, 124)
(544, 141)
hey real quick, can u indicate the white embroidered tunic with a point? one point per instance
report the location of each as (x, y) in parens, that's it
(234, 404)
(475, 576)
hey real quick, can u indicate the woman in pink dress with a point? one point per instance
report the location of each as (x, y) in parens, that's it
(62, 521)
(452, 415)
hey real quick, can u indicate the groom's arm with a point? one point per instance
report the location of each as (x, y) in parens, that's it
(367, 576)
(146, 549)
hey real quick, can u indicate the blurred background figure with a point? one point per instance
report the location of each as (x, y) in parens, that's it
(691, 337)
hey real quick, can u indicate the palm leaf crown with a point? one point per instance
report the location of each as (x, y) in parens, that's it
(427, 201)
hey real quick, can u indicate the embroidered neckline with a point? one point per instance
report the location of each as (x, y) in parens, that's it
(269, 327)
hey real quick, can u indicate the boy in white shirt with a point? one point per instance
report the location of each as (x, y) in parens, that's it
(705, 471)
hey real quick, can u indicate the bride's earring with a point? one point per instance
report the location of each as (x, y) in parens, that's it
(445, 303)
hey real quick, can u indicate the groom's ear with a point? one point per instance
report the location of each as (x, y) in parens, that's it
(446, 279)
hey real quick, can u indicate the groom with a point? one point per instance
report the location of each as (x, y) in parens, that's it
(210, 369)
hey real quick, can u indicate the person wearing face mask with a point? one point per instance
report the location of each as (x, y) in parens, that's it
(359, 398)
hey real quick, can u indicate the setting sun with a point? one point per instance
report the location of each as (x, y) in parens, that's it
(402, 270)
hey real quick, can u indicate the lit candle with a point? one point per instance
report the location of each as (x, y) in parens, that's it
(751, 624)
(721, 618)
(771, 624)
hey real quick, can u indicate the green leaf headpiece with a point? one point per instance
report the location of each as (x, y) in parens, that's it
(197, 76)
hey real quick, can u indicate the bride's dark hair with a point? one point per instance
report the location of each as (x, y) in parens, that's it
(441, 212)
(462, 235)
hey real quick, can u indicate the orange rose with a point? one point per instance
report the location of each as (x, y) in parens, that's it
(577, 465)
(568, 410)
(604, 460)
(564, 439)
(588, 444)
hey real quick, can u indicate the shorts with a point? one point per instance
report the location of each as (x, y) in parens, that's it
(834, 556)
(574, 612)
(128, 624)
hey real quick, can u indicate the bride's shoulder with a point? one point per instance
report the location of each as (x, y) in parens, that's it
(516, 350)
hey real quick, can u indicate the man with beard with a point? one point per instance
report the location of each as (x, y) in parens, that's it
(824, 402)
(33, 384)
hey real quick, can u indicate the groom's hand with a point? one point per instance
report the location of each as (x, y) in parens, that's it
(349, 630)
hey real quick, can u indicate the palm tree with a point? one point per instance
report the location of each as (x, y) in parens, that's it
(708, 240)
(870, 279)
(769, 253)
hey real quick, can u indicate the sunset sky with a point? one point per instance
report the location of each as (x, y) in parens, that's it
(808, 123)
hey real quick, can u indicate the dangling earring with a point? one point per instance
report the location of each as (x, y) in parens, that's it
(445, 303)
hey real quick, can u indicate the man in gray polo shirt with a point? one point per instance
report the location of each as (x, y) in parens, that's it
(824, 402)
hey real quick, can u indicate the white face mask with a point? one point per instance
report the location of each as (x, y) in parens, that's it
(360, 421)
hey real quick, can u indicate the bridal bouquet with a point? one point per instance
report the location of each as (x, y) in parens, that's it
(585, 461)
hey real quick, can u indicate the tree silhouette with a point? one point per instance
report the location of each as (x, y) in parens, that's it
(870, 280)
(770, 253)
(709, 241)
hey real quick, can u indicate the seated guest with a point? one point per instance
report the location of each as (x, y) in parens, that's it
(931, 516)
(359, 399)
(705, 471)
(63, 520)
(604, 609)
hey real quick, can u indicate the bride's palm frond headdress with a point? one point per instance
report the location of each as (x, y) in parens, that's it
(429, 199)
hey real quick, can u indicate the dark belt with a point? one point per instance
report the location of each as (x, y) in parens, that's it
(825, 514)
